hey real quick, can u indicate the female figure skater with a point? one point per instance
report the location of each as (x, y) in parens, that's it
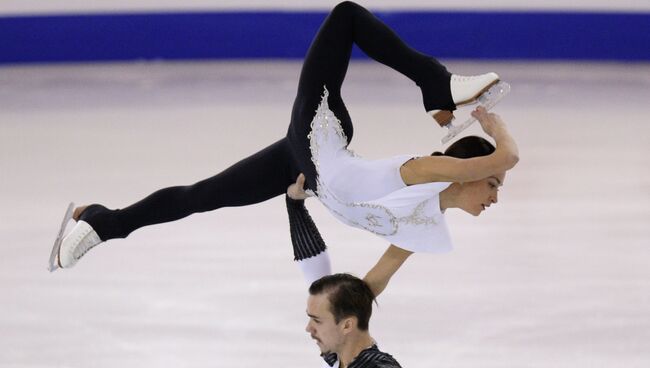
(400, 199)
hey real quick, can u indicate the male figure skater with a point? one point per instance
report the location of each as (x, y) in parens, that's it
(339, 308)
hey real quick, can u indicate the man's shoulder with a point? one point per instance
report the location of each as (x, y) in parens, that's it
(330, 359)
(369, 358)
(375, 358)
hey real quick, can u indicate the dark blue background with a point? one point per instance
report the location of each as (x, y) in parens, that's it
(234, 35)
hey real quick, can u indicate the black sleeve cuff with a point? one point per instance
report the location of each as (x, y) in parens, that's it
(307, 241)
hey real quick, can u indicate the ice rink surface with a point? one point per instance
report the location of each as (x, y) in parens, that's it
(557, 274)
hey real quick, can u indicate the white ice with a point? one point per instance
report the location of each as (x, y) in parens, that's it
(557, 274)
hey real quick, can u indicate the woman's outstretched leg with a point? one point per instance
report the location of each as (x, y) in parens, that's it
(255, 179)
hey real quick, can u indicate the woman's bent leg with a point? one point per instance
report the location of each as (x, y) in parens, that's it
(329, 54)
(326, 64)
(255, 179)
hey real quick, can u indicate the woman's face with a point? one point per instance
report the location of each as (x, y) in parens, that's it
(476, 196)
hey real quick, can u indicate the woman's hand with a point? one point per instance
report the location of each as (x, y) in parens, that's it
(495, 127)
(296, 191)
(490, 122)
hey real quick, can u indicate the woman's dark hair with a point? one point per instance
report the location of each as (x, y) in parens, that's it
(348, 296)
(468, 147)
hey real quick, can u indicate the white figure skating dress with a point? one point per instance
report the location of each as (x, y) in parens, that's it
(371, 195)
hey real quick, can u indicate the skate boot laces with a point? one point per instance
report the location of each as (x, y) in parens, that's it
(86, 241)
(82, 239)
(468, 78)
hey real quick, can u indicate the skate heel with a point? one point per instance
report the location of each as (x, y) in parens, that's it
(488, 99)
(77, 212)
(443, 117)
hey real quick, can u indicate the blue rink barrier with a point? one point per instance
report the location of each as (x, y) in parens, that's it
(286, 35)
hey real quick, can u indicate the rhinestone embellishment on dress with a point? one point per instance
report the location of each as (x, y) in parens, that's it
(326, 129)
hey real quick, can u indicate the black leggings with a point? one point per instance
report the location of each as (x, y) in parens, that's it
(268, 173)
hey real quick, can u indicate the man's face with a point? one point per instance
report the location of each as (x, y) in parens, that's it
(322, 327)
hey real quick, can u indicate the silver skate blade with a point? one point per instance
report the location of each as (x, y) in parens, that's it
(54, 265)
(488, 100)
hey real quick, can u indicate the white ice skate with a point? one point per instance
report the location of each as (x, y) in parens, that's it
(488, 99)
(464, 90)
(69, 249)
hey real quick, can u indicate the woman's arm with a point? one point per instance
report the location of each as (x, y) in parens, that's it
(450, 169)
(378, 277)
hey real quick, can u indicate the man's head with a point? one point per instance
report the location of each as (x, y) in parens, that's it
(339, 307)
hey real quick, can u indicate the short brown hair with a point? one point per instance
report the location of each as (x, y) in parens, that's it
(348, 296)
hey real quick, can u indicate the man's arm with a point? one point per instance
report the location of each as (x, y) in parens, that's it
(305, 237)
(309, 248)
